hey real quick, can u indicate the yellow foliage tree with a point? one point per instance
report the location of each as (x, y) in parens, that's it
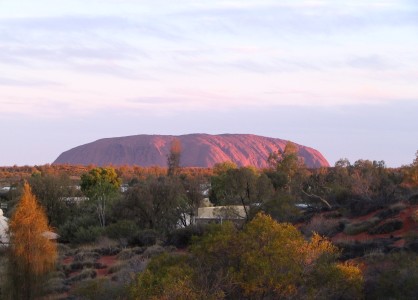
(265, 260)
(32, 254)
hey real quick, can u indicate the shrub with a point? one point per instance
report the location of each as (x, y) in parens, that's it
(134, 265)
(388, 213)
(100, 289)
(69, 229)
(323, 226)
(182, 237)
(414, 216)
(123, 231)
(145, 238)
(413, 199)
(87, 235)
(85, 274)
(387, 227)
(125, 254)
(356, 228)
(86, 255)
(393, 276)
(154, 251)
(116, 268)
(56, 285)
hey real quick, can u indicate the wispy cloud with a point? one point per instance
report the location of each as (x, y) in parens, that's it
(27, 82)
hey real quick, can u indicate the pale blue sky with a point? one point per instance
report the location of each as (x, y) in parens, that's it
(339, 76)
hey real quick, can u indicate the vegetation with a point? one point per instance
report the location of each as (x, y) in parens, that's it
(31, 254)
(266, 260)
(305, 233)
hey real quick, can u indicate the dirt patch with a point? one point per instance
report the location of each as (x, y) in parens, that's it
(107, 261)
(68, 260)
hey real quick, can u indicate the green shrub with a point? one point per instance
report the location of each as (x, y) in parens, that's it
(387, 227)
(123, 231)
(100, 289)
(182, 237)
(393, 276)
(388, 213)
(125, 254)
(356, 228)
(116, 268)
(69, 229)
(84, 274)
(56, 285)
(87, 235)
(323, 226)
(154, 251)
(86, 255)
(144, 238)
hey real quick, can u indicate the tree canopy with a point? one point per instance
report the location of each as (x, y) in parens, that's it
(265, 260)
(32, 255)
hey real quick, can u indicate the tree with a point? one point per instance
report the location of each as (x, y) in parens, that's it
(287, 162)
(101, 186)
(173, 158)
(156, 203)
(412, 172)
(51, 191)
(265, 260)
(241, 186)
(32, 255)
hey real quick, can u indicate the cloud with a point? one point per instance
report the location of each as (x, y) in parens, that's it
(374, 62)
(27, 82)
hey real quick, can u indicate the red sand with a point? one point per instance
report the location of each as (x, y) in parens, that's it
(107, 261)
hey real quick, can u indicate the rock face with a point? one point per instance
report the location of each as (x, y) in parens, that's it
(198, 150)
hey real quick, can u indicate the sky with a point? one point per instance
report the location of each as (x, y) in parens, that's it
(338, 76)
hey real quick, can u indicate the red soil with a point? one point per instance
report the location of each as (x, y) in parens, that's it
(68, 260)
(108, 261)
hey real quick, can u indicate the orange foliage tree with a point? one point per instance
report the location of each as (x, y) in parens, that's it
(32, 255)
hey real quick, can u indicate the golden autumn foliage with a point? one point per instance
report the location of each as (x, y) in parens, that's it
(265, 260)
(32, 255)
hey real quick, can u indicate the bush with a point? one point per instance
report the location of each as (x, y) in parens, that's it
(414, 216)
(182, 237)
(145, 238)
(123, 231)
(85, 274)
(100, 289)
(323, 226)
(56, 285)
(393, 276)
(68, 230)
(87, 235)
(86, 255)
(353, 249)
(154, 251)
(356, 228)
(387, 227)
(116, 268)
(125, 254)
(134, 265)
(388, 213)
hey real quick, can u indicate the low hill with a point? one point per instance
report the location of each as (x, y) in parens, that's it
(199, 150)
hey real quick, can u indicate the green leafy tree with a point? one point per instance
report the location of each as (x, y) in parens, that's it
(156, 203)
(288, 163)
(51, 191)
(101, 185)
(241, 186)
(31, 255)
